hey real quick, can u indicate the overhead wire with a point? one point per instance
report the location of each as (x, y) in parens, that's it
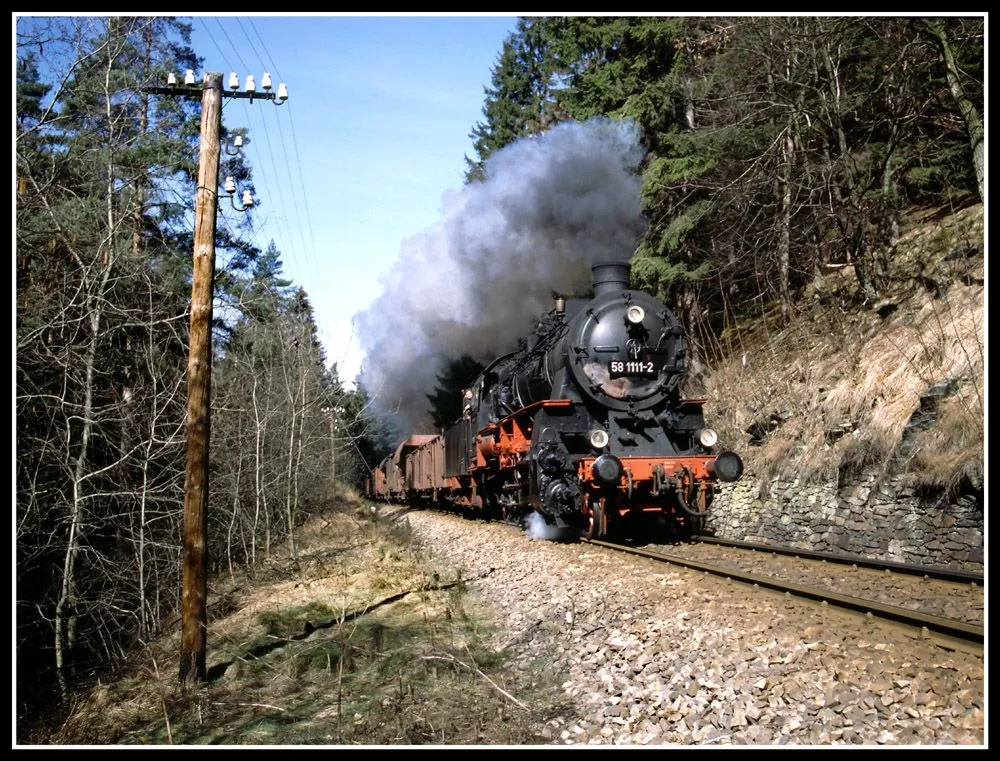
(223, 216)
(295, 143)
(250, 117)
(306, 258)
(291, 231)
(303, 255)
(269, 183)
(303, 204)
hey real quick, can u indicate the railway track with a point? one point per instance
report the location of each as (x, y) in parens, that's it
(949, 632)
(944, 574)
(654, 653)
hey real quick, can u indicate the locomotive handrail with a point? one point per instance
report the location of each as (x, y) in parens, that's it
(524, 411)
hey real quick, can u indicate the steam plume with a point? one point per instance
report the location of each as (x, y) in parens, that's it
(551, 206)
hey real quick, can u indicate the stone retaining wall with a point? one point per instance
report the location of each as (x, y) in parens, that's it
(884, 521)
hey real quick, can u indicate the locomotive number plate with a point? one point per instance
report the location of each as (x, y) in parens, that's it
(632, 368)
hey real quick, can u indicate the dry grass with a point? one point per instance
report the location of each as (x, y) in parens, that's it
(356, 641)
(835, 390)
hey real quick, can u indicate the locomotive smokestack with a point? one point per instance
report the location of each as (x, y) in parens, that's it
(610, 277)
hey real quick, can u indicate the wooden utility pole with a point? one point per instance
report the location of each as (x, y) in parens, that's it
(194, 560)
(194, 619)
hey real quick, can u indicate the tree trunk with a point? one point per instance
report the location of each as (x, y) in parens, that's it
(973, 122)
(785, 234)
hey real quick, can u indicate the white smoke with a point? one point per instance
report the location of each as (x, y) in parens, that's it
(535, 527)
(551, 206)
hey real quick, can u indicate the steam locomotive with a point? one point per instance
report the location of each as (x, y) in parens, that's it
(583, 424)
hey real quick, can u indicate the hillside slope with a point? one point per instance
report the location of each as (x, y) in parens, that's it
(887, 399)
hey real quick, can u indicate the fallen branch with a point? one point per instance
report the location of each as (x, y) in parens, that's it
(163, 702)
(247, 705)
(453, 659)
(277, 641)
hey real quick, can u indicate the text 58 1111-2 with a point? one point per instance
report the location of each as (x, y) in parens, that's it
(618, 367)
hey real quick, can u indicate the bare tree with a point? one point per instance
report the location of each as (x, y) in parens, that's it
(956, 78)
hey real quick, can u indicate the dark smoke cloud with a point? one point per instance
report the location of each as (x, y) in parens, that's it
(474, 283)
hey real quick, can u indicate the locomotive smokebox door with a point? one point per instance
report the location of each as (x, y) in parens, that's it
(625, 349)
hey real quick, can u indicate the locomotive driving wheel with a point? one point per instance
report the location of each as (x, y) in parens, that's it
(597, 519)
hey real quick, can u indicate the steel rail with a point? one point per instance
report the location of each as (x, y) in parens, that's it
(959, 631)
(942, 574)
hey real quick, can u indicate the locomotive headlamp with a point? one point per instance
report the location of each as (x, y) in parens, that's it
(727, 466)
(607, 470)
(707, 437)
(598, 438)
(635, 314)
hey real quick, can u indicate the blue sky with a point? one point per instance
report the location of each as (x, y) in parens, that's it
(374, 132)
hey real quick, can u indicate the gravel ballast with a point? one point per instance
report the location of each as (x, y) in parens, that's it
(649, 654)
